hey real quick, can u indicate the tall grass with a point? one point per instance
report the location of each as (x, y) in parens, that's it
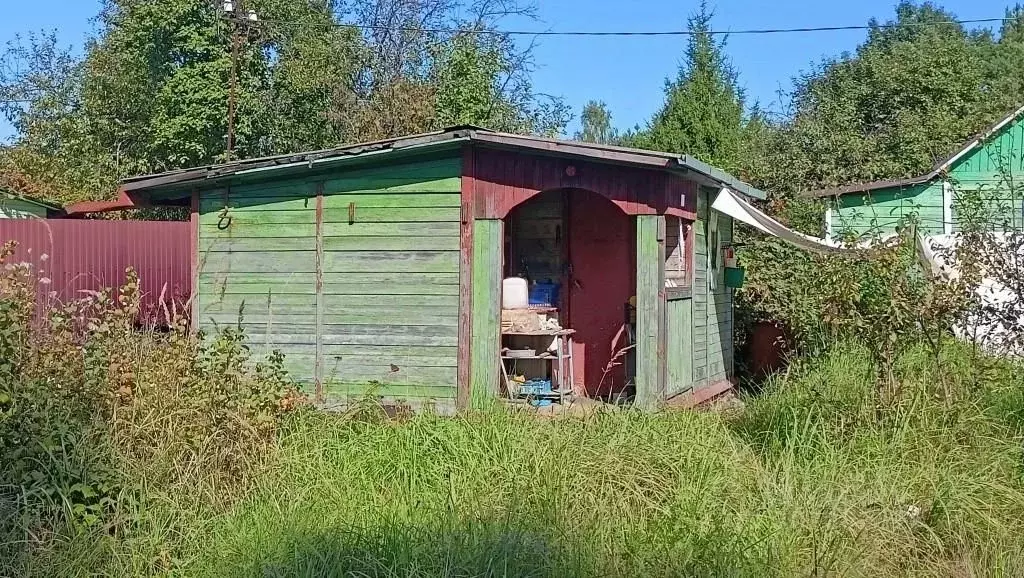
(812, 478)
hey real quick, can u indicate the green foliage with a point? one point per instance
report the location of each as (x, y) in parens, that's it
(807, 479)
(703, 111)
(596, 124)
(152, 90)
(93, 411)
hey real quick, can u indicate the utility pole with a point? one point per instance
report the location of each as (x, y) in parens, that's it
(232, 12)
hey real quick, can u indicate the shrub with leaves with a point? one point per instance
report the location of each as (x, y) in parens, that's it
(94, 409)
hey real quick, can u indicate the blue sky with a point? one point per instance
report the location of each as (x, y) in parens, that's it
(627, 73)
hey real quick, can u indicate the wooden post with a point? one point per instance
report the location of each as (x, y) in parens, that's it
(465, 358)
(488, 267)
(318, 366)
(650, 310)
(194, 262)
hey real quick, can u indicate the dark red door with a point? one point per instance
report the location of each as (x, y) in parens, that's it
(600, 283)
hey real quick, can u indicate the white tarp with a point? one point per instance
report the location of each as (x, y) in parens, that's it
(729, 203)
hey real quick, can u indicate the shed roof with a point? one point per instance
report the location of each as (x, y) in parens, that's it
(941, 167)
(180, 181)
(48, 205)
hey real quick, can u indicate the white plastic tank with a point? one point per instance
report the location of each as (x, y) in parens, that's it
(515, 293)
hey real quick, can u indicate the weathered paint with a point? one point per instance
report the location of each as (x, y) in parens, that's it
(990, 168)
(601, 241)
(650, 260)
(465, 286)
(712, 300)
(488, 236)
(505, 179)
(12, 208)
(340, 269)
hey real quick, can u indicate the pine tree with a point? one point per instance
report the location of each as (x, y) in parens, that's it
(703, 111)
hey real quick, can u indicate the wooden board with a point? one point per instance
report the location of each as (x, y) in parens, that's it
(650, 251)
(679, 346)
(487, 274)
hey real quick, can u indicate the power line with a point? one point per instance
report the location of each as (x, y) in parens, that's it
(751, 31)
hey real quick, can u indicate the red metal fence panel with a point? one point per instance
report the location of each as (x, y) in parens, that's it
(72, 256)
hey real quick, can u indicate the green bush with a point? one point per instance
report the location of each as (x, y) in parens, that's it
(94, 411)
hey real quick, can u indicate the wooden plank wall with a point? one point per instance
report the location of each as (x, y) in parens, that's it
(712, 301)
(650, 309)
(486, 317)
(387, 249)
(678, 307)
(257, 266)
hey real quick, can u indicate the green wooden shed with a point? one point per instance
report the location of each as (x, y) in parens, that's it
(15, 206)
(377, 268)
(990, 164)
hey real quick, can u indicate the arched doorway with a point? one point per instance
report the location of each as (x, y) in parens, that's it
(586, 244)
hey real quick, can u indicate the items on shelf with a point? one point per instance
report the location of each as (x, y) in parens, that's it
(544, 294)
(514, 293)
(529, 320)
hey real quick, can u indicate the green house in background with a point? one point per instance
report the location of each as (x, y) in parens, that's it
(378, 268)
(14, 206)
(990, 164)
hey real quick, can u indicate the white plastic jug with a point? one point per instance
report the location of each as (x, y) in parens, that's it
(515, 294)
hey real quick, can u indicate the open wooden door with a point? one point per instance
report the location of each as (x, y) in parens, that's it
(678, 307)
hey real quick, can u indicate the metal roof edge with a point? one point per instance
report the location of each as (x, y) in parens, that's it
(179, 179)
(939, 168)
(692, 163)
(48, 205)
(870, 186)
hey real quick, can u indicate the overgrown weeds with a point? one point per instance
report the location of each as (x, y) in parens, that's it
(141, 453)
(95, 412)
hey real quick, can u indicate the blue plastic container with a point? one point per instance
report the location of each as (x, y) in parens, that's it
(544, 294)
(535, 387)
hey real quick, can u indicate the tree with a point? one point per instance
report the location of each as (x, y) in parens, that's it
(151, 93)
(596, 124)
(918, 86)
(703, 110)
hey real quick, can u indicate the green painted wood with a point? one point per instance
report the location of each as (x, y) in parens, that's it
(421, 301)
(392, 315)
(244, 231)
(390, 262)
(375, 289)
(389, 390)
(220, 279)
(488, 242)
(393, 215)
(11, 208)
(302, 200)
(438, 377)
(444, 356)
(413, 199)
(679, 354)
(299, 332)
(649, 257)
(390, 271)
(404, 243)
(355, 371)
(359, 229)
(246, 262)
(382, 334)
(340, 215)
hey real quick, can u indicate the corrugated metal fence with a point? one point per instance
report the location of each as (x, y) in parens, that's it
(77, 255)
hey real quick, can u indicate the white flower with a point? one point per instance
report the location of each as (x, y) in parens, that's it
(45, 281)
